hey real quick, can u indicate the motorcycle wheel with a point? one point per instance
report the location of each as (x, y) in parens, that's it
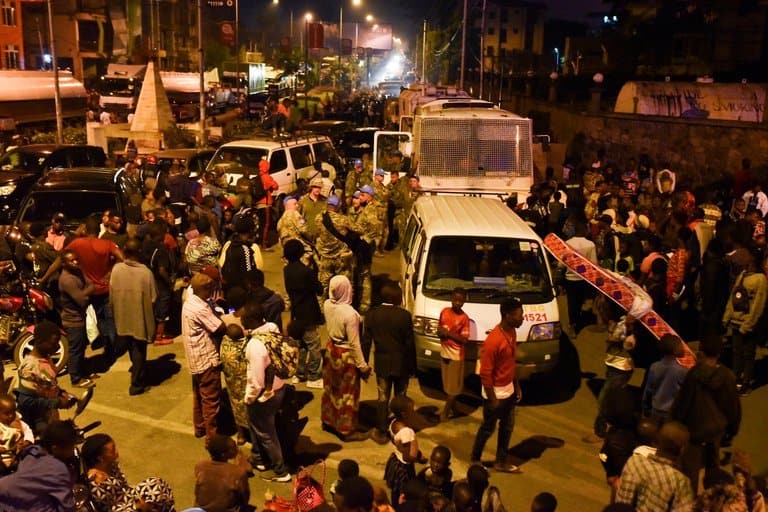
(22, 346)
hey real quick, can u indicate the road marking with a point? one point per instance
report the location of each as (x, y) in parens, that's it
(170, 426)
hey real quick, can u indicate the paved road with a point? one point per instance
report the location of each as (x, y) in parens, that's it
(154, 431)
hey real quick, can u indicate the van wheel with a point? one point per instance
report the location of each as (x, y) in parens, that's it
(23, 345)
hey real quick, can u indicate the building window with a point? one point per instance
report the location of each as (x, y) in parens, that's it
(9, 12)
(491, 31)
(11, 52)
(504, 18)
(502, 36)
(491, 15)
(489, 52)
(515, 30)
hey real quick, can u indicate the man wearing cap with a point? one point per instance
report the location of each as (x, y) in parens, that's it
(382, 204)
(199, 326)
(356, 179)
(400, 163)
(334, 255)
(311, 205)
(58, 237)
(396, 190)
(411, 192)
(370, 231)
(292, 225)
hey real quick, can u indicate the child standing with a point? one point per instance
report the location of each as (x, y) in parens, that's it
(664, 379)
(453, 330)
(400, 469)
(219, 484)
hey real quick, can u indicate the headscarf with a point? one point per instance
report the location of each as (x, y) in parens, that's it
(340, 290)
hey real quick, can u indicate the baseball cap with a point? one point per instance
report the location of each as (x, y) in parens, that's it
(59, 216)
(334, 201)
(356, 194)
(358, 162)
(316, 182)
(367, 189)
(200, 280)
(289, 198)
(379, 172)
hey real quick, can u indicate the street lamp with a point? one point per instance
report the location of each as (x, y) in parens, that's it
(369, 18)
(307, 20)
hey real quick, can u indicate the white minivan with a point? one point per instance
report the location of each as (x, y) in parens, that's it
(289, 159)
(480, 245)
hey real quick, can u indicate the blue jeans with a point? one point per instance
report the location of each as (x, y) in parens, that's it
(78, 341)
(504, 415)
(613, 379)
(106, 324)
(310, 359)
(266, 447)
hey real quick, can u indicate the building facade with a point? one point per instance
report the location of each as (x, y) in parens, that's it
(11, 35)
(514, 34)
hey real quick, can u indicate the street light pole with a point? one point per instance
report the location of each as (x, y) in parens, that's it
(56, 89)
(307, 19)
(201, 68)
(237, 49)
(463, 46)
(341, 36)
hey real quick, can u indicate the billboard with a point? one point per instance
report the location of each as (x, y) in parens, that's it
(361, 35)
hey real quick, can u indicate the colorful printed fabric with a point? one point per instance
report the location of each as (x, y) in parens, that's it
(235, 369)
(341, 395)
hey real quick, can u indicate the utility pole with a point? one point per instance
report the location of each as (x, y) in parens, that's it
(56, 90)
(424, 53)
(237, 49)
(463, 46)
(202, 71)
(482, 50)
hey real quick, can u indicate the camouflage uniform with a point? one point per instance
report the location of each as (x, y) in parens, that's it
(355, 180)
(381, 203)
(309, 209)
(293, 226)
(370, 231)
(397, 194)
(334, 257)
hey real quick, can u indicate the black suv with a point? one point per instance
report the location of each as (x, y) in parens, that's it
(21, 167)
(77, 193)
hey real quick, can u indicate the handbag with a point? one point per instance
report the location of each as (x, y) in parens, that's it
(308, 492)
(91, 323)
(740, 296)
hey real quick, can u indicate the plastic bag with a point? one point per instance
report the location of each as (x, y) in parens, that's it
(91, 324)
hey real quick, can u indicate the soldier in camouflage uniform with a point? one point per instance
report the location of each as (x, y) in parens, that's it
(334, 256)
(397, 192)
(356, 179)
(382, 203)
(370, 231)
(355, 209)
(292, 226)
(412, 191)
(311, 204)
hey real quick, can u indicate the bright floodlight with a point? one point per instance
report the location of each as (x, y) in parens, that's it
(308, 16)
(357, 2)
(369, 18)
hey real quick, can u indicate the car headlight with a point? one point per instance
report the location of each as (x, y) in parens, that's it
(545, 332)
(424, 325)
(7, 190)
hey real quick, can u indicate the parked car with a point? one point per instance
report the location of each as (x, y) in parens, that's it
(21, 167)
(77, 192)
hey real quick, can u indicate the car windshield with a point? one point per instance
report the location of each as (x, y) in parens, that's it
(16, 160)
(236, 160)
(40, 206)
(489, 268)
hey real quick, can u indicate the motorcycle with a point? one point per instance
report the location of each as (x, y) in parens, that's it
(81, 488)
(23, 303)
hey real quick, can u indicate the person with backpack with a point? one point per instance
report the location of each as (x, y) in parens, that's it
(239, 255)
(266, 451)
(262, 188)
(742, 317)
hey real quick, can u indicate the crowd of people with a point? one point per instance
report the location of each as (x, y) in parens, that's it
(189, 262)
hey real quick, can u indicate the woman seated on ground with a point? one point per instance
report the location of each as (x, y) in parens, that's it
(110, 490)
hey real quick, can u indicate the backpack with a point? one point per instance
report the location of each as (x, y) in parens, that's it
(283, 353)
(258, 192)
(238, 260)
(740, 296)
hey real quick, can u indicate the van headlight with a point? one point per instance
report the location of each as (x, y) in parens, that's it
(545, 332)
(424, 325)
(7, 190)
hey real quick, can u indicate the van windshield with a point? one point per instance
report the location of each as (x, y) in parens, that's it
(236, 160)
(489, 268)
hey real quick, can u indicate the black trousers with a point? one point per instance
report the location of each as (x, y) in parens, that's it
(137, 351)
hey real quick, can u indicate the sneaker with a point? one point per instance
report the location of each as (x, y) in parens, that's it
(295, 379)
(504, 467)
(286, 477)
(163, 341)
(266, 395)
(315, 384)
(259, 467)
(84, 383)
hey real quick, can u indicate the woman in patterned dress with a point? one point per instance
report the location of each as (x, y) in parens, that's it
(233, 362)
(344, 365)
(110, 490)
(203, 250)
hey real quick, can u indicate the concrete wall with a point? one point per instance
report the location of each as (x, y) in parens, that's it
(699, 150)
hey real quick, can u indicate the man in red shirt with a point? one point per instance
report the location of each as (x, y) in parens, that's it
(264, 205)
(501, 388)
(454, 333)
